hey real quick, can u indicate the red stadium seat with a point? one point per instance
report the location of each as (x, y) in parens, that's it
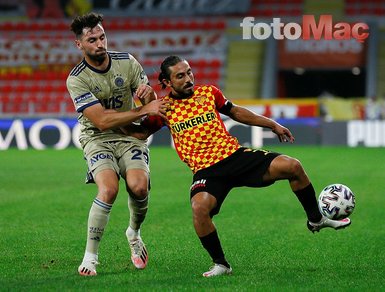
(19, 88)
(47, 104)
(8, 76)
(16, 105)
(215, 63)
(63, 75)
(379, 11)
(21, 26)
(69, 107)
(7, 88)
(60, 25)
(351, 11)
(214, 75)
(4, 99)
(38, 75)
(59, 88)
(6, 26)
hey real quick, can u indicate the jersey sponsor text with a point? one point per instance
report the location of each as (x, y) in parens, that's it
(207, 117)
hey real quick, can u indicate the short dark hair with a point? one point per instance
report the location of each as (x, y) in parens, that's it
(90, 20)
(164, 68)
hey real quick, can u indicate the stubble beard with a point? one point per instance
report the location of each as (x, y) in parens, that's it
(98, 58)
(185, 93)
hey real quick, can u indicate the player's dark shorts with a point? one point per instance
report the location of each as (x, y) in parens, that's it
(245, 167)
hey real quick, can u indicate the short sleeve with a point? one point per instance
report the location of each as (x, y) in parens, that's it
(220, 99)
(80, 93)
(138, 75)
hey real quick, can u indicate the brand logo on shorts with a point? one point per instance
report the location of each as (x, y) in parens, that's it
(101, 156)
(198, 184)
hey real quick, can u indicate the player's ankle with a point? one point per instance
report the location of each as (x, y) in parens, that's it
(89, 256)
(132, 233)
(222, 261)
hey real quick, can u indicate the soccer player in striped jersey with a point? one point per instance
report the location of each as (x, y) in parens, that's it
(102, 87)
(218, 162)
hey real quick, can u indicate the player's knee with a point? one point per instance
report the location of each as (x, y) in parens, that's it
(108, 194)
(200, 210)
(296, 167)
(138, 191)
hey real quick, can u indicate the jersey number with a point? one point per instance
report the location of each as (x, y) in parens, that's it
(139, 155)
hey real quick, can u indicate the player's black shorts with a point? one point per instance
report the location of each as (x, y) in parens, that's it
(245, 167)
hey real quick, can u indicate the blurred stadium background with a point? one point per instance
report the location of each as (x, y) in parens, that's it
(329, 92)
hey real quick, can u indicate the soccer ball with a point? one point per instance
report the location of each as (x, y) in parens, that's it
(336, 201)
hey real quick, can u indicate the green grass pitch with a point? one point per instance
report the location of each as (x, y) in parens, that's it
(44, 207)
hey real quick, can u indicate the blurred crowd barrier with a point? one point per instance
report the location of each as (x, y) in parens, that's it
(37, 57)
(37, 49)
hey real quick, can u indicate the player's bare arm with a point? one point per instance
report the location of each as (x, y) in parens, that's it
(105, 119)
(145, 93)
(245, 116)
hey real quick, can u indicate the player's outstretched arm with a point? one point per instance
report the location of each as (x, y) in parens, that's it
(245, 116)
(105, 119)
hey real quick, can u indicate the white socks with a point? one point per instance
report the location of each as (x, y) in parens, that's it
(97, 221)
(132, 234)
(138, 211)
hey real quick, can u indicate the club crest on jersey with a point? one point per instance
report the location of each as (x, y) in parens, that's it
(200, 99)
(119, 81)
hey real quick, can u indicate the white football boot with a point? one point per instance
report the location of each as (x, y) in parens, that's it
(139, 254)
(326, 222)
(218, 270)
(88, 268)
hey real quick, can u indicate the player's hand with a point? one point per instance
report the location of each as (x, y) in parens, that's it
(157, 107)
(283, 133)
(145, 93)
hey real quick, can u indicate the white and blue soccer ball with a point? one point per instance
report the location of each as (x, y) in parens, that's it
(336, 201)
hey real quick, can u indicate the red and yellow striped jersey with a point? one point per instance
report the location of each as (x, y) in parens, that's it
(199, 135)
